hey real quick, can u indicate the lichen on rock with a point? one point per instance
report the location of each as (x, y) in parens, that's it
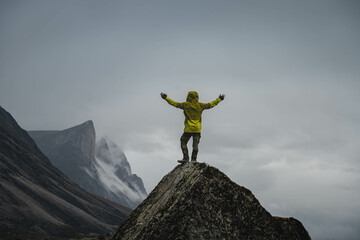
(197, 201)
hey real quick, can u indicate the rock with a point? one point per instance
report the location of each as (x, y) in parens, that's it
(197, 201)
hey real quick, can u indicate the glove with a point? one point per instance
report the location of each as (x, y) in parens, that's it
(222, 96)
(163, 95)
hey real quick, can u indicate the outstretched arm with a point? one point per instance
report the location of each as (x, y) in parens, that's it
(213, 103)
(171, 102)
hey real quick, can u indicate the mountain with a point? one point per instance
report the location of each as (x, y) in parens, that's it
(39, 201)
(198, 202)
(115, 174)
(100, 168)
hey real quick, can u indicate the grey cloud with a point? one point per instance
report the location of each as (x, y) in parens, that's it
(288, 128)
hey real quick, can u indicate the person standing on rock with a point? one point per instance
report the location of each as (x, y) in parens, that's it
(192, 111)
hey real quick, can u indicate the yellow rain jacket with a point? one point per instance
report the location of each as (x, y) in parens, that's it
(192, 110)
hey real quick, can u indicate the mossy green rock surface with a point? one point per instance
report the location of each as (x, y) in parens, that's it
(197, 201)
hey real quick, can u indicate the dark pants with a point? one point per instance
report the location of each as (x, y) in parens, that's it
(185, 139)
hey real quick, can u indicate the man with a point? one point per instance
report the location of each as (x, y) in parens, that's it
(192, 111)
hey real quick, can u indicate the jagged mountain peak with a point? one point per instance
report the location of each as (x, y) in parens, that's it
(37, 201)
(67, 148)
(111, 153)
(196, 201)
(114, 172)
(87, 125)
(98, 167)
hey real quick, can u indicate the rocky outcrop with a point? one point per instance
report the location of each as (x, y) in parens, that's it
(196, 201)
(38, 201)
(100, 168)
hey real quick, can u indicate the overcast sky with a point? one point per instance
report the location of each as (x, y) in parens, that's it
(289, 128)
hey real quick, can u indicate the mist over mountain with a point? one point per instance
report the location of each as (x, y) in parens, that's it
(115, 173)
(198, 202)
(39, 201)
(98, 167)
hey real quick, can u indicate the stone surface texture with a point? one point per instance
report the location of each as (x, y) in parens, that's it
(198, 202)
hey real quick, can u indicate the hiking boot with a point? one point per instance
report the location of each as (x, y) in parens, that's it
(183, 160)
(193, 160)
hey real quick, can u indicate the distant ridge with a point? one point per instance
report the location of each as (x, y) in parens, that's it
(38, 201)
(37, 134)
(98, 167)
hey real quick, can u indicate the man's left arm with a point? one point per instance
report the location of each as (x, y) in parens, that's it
(171, 102)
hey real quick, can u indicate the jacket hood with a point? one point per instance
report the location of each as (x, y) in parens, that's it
(192, 97)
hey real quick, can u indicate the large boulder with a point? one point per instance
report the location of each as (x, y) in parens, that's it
(197, 201)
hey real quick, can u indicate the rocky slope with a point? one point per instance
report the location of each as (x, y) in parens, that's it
(100, 168)
(196, 201)
(38, 201)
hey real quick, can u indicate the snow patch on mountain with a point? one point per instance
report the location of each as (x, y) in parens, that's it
(108, 177)
(115, 173)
